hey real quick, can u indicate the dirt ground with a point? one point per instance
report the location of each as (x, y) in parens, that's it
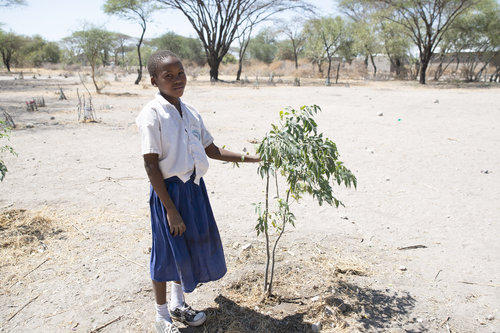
(415, 249)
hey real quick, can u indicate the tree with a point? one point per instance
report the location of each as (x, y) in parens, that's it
(185, 47)
(425, 21)
(474, 35)
(365, 30)
(10, 45)
(91, 44)
(293, 31)
(328, 38)
(218, 22)
(121, 48)
(396, 45)
(133, 10)
(310, 164)
(37, 51)
(263, 46)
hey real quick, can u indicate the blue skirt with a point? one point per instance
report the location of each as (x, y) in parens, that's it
(197, 255)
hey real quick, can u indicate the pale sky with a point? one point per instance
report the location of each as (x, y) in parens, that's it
(56, 19)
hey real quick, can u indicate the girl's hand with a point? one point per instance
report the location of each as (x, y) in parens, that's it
(176, 224)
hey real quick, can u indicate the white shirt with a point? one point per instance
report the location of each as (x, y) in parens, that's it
(180, 142)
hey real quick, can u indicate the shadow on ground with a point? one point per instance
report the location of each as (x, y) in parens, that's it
(353, 307)
(374, 310)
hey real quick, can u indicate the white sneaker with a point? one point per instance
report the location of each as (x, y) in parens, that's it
(164, 326)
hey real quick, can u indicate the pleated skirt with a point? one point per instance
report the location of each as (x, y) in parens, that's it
(197, 255)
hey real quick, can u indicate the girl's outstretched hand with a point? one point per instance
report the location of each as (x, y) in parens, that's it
(176, 224)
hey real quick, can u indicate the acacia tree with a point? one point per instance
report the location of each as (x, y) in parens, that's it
(263, 46)
(328, 38)
(91, 44)
(133, 10)
(309, 163)
(477, 32)
(10, 45)
(365, 30)
(186, 48)
(293, 31)
(425, 21)
(218, 23)
(396, 45)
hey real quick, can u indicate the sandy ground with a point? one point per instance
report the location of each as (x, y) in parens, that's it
(421, 181)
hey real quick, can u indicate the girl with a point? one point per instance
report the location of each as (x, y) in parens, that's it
(175, 144)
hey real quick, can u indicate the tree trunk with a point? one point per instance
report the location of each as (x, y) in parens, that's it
(97, 89)
(374, 66)
(398, 67)
(139, 70)
(240, 67)
(338, 71)
(214, 64)
(328, 72)
(6, 59)
(425, 59)
(423, 70)
(268, 254)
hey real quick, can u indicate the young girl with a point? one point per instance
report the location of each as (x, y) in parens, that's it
(175, 144)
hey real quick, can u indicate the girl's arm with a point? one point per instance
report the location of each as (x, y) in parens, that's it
(222, 154)
(177, 226)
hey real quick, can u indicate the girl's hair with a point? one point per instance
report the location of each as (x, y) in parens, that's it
(156, 58)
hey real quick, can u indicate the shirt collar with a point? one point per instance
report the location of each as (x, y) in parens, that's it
(167, 105)
(163, 101)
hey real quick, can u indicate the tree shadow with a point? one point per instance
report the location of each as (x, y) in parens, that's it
(232, 317)
(377, 310)
(361, 308)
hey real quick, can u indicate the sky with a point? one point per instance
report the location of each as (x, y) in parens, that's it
(56, 19)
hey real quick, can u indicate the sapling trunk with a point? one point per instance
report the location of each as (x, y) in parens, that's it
(270, 288)
(266, 233)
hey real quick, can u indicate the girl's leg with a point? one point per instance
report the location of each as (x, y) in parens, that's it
(161, 306)
(160, 291)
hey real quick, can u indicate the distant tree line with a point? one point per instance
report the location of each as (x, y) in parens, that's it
(410, 33)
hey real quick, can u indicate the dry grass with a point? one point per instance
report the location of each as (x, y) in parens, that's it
(23, 232)
(306, 291)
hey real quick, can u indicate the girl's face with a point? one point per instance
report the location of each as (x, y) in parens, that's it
(170, 79)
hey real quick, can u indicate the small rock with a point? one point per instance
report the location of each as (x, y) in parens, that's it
(485, 171)
(402, 268)
(247, 247)
(490, 317)
(420, 320)
(52, 118)
(436, 101)
(380, 114)
(316, 327)
(30, 125)
(387, 179)
(344, 217)
(315, 299)
(343, 307)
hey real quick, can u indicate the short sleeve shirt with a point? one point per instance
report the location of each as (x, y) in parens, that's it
(180, 142)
